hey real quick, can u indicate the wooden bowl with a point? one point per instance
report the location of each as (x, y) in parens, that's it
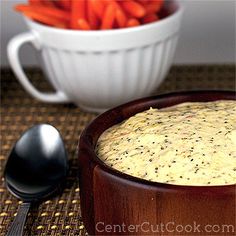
(114, 203)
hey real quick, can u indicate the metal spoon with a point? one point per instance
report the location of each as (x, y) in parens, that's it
(36, 168)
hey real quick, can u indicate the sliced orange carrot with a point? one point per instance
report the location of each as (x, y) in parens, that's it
(154, 6)
(48, 3)
(34, 2)
(98, 7)
(92, 18)
(64, 4)
(106, 2)
(108, 17)
(83, 24)
(150, 18)
(22, 7)
(132, 22)
(46, 19)
(121, 18)
(92, 14)
(77, 12)
(50, 11)
(143, 2)
(135, 9)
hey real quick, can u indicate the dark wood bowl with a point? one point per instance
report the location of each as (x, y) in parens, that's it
(114, 203)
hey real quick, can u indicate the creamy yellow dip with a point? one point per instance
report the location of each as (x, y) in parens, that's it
(186, 144)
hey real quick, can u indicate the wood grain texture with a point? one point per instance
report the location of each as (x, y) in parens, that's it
(112, 201)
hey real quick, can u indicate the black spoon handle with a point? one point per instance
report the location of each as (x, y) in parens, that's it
(18, 223)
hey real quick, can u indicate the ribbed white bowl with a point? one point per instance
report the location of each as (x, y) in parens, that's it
(100, 69)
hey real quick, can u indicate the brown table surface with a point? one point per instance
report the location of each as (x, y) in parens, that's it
(61, 215)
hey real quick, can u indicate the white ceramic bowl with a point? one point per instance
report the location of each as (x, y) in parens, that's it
(98, 70)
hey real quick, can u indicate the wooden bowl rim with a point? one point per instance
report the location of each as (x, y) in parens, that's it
(87, 144)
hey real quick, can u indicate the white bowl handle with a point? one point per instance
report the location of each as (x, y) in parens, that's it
(13, 56)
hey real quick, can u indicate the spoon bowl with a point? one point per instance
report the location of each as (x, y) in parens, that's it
(37, 165)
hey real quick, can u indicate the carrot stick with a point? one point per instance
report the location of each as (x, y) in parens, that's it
(108, 17)
(98, 7)
(154, 6)
(43, 10)
(83, 24)
(150, 18)
(46, 19)
(121, 18)
(135, 9)
(92, 18)
(106, 2)
(34, 2)
(64, 4)
(48, 3)
(144, 1)
(77, 12)
(42, 2)
(132, 22)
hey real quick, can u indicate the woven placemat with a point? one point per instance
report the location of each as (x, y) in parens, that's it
(61, 215)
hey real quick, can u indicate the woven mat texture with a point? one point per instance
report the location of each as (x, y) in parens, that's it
(61, 215)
